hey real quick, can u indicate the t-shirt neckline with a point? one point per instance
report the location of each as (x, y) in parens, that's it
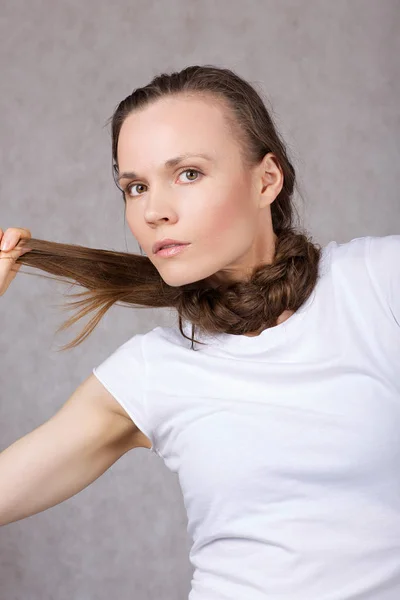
(271, 336)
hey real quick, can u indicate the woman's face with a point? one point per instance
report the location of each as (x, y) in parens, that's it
(213, 202)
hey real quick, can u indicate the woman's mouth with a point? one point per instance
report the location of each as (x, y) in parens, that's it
(171, 250)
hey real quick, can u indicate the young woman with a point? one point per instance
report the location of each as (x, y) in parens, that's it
(283, 423)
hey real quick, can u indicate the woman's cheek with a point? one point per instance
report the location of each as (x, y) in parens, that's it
(228, 217)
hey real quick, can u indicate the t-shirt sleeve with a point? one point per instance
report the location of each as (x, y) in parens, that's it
(123, 374)
(384, 263)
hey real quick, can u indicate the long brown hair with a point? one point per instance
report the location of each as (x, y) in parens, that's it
(130, 279)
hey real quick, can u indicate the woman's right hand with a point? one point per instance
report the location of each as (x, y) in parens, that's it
(9, 255)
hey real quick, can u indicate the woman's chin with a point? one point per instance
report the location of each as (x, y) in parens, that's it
(178, 281)
(182, 277)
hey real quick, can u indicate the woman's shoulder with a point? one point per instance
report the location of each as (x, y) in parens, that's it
(373, 261)
(377, 252)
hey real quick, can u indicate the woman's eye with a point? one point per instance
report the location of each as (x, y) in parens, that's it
(191, 171)
(131, 186)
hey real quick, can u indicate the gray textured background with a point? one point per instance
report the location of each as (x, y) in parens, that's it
(330, 71)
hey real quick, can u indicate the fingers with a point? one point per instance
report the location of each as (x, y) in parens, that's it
(9, 254)
(9, 268)
(10, 238)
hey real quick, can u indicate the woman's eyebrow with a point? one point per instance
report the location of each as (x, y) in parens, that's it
(169, 164)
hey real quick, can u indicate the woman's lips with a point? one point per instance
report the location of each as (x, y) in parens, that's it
(172, 250)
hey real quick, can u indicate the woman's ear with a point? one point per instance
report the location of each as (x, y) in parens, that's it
(271, 179)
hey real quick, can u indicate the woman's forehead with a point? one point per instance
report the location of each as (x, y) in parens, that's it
(187, 115)
(173, 131)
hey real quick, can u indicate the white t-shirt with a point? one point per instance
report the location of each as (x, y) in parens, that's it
(286, 445)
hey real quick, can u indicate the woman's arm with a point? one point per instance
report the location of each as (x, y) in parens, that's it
(65, 454)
